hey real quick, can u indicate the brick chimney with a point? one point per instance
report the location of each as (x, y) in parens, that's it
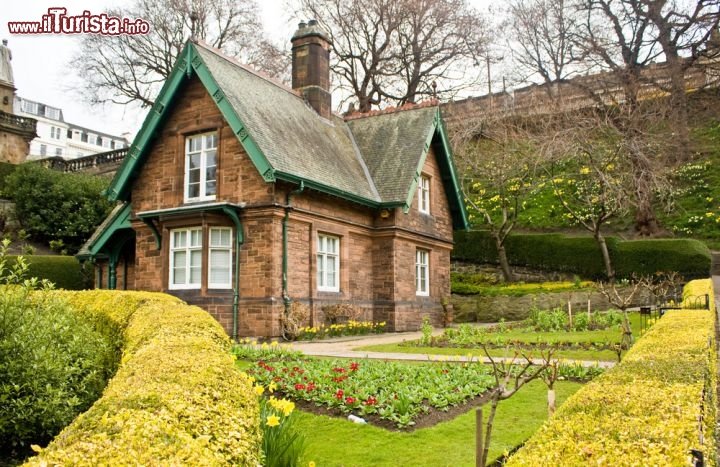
(311, 66)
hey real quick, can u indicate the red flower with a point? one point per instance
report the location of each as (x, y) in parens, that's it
(277, 378)
(354, 366)
(349, 400)
(339, 394)
(310, 387)
(338, 369)
(370, 401)
(445, 371)
(299, 386)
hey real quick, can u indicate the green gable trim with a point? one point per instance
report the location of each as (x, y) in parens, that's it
(239, 129)
(438, 139)
(456, 197)
(188, 62)
(332, 190)
(118, 222)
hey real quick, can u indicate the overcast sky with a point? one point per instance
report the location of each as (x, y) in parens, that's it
(40, 61)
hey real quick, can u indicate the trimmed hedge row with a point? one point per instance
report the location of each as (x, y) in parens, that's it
(647, 409)
(63, 271)
(177, 397)
(581, 255)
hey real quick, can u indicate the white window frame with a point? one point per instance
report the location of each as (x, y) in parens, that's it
(327, 256)
(189, 248)
(424, 194)
(422, 272)
(222, 246)
(208, 145)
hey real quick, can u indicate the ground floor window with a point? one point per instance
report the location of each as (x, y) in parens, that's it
(187, 258)
(422, 278)
(220, 258)
(328, 263)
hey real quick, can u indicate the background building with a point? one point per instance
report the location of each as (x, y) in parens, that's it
(58, 138)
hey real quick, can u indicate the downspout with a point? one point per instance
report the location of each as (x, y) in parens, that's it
(288, 198)
(239, 239)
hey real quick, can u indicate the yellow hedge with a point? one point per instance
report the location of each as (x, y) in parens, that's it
(177, 398)
(646, 410)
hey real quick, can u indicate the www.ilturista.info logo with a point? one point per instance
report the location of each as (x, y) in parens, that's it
(58, 22)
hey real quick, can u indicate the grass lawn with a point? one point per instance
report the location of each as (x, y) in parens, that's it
(526, 335)
(338, 442)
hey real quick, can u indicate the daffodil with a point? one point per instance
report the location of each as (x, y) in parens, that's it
(273, 420)
(259, 390)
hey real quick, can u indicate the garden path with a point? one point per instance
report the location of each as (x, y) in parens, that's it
(344, 347)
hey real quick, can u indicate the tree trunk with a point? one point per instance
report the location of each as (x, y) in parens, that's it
(488, 430)
(503, 259)
(609, 271)
(551, 402)
(646, 223)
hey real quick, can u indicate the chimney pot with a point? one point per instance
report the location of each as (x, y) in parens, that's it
(312, 22)
(302, 25)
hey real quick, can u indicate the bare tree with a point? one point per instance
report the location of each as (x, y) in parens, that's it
(590, 175)
(126, 69)
(510, 375)
(395, 49)
(541, 33)
(497, 163)
(682, 30)
(622, 296)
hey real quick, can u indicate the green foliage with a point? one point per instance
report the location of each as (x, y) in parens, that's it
(51, 205)
(53, 366)
(581, 255)
(282, 444)
(688, 257)
(559, 320)
(176, 399)
(63, 271)
(647, 410)
(5, 170)
(394, 391)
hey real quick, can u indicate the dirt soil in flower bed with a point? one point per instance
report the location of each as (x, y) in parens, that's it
(432, 418)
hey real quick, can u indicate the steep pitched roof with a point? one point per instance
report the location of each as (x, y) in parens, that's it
(374, 160)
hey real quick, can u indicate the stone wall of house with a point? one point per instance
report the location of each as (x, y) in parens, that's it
(377, 257)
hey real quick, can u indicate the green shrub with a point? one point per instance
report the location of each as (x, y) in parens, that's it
(68, 207)
(651, 409)
(177, 397)
(689, 258)
(581, 255)
(63, 271)
(53, 366)
(5, 169)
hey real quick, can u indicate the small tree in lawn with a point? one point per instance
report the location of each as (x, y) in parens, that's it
(498, 169)
(510, 375)
(621, 296)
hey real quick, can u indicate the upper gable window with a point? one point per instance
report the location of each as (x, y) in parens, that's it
(424, 194)
(201, 167)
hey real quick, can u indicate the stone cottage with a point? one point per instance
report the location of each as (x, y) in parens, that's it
(242, 196)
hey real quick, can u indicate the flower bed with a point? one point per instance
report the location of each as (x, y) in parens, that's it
(388, 393)
(351, 328)
(652, 409)
(177, 397)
